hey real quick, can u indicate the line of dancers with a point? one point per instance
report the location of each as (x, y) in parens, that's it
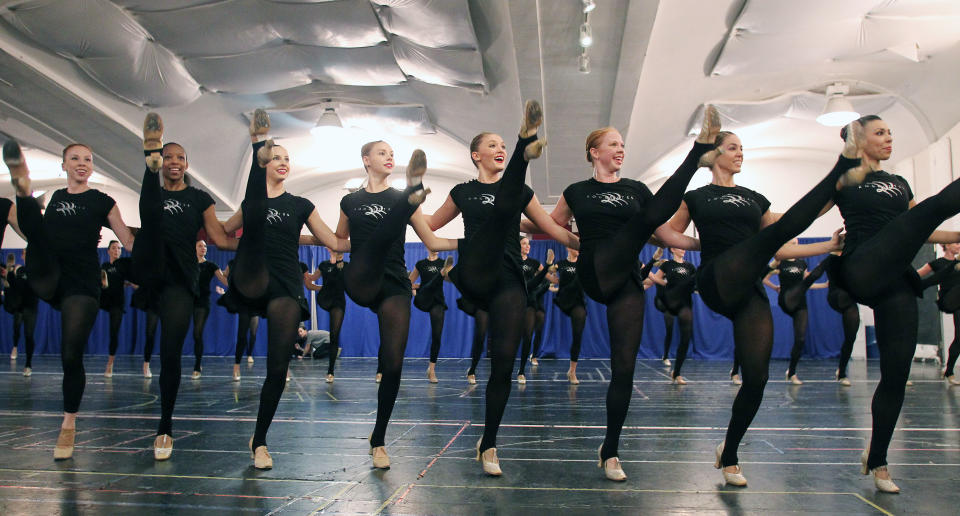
(616, 216)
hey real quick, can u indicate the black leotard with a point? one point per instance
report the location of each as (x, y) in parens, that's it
(332, 294)
(430, 291)
(570, 293)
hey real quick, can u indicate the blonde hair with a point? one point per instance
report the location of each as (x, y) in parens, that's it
(72, 145)
(475, 145)
(593, 140)
(366, 149)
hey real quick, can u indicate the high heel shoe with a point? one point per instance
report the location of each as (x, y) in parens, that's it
(146, 370)
(380, 458)
(329, 378)
(952, 379)
(793, 379)
(734, 478)
(521, 379)
(162, 447)
(533, 150)
(153, 141)
(885, 485)
(572, 378)
(532, 118)
(432, 376)
(19, 177)
(472, 379)
(843, 381)
(64, 448)
(611, 467)
(679, 380)
(236, 372)
(735, 379)
(261, 457)
(489, 460)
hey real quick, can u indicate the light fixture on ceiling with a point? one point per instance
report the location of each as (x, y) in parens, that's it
(328, 120)
(583, 62)
(838, 111)
(586, 33)
(589, 5)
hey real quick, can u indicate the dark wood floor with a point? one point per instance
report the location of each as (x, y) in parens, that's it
(801, 455)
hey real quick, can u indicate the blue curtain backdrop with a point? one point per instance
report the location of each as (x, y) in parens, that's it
(712, 335)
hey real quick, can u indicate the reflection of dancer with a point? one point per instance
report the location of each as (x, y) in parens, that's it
(429, 298)
(948, 300)
(21, 301)
(62, 262)
(201, 310)
(795, 281)
(569, 300)
(675, 285)
(114, 274)
(331, 298)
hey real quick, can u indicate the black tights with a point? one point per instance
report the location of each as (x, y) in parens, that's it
(77, 315)
(603, 270)
(283, 317)
(393, 314)
(869, 274)
(116, 317)
(730, 285)
(176, 307)
(800, 318)
(436, 331)
(954, 346)
(578, 320)
(684, 318)
(247, 326)
(533, 320)
(42, 265)
(625, 320)
(27, 317)
(153, 319)
(336, 322)
(474, 274)
(200, 314)
(481, 320)
(506, 308)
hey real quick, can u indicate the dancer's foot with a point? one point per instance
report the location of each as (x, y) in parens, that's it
(431, 373)
(162, 447)
(679, 380)
(792, 378)
(708, 134)
(534, 361)
(153, 141)
(489, 460)
(27, 371)
(378, 378)
(380, 458)
(881, 475)
(550, 256)
(853, 149)
(108, 373)
(472, 379)
(261, 457)
(416, 168)
(842, 380)
(521, 379)
(330, 378)
(13, 354)
(533, 150)
(732, 475)
(236, 372)
(259, 125)
(951, 379)
(146, 370)
(64, 448)
(611, 467)
(17, 165)
(735, 379)
(447, 266)
(532, 118)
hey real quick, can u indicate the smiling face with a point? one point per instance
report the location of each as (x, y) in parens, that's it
(731, 156)
(678, 253)
(953, 249)
(279, 166)
(78, 163)
(879, 144)
(607, 152)
(201, 249)
(379, 159)
(174, 162)
(524, 246)
(490, 153)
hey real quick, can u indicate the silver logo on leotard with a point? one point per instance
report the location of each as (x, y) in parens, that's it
(887, 188)
(66, 208)
(273, 216)
(374, 210)
(734, 199)
(172, 206)
(432, 269)
(570, 270)
(487, 199)
(613, 199)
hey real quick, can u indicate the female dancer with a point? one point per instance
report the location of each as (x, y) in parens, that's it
(266, 278)
(114, 274)
(201, 310)
(142, 300)
(946, 267)
(331, 298)
(675, 285)
(481, 322)
(534, 276)
(739, 235)
(491, 207)
(62, 262)
(570, 301)
(428, 297)
(22, 301)
(621, 214)
(247, 325)
(374, 218)
(876, 212)
(792, 275)
(165, 258)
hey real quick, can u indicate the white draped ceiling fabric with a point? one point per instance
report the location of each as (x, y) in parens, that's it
(165, 54)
